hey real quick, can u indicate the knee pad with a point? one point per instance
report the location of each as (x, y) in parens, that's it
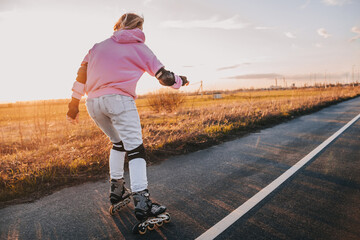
(138, 152)
(119, 146)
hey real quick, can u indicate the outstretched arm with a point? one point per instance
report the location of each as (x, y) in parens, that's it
(155, 68)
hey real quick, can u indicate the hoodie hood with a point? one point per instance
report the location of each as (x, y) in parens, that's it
(129, 36)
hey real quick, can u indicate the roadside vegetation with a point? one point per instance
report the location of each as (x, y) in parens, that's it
(40, 152)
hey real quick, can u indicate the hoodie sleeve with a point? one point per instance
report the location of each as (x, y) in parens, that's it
(152, 63)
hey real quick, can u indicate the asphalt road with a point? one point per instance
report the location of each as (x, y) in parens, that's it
(321, 201)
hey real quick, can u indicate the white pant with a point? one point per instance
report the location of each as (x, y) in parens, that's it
(117, 117)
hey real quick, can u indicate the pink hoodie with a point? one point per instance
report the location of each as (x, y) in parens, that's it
(116, 64)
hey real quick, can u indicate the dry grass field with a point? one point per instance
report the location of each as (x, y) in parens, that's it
(40, 151)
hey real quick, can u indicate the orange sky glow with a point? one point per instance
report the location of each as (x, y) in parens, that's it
(228, 44)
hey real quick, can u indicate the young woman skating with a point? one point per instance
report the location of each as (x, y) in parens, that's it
(108, 75)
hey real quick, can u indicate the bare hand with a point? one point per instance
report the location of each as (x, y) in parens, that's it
(73, 121)
(73, 113)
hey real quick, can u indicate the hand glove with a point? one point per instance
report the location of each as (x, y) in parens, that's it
(72, 114)
(185, 82)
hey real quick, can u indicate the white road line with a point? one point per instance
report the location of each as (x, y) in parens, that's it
(235, 215)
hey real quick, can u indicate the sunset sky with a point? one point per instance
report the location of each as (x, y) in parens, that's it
(227, 44)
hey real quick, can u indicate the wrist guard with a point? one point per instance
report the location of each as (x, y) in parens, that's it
(165, 77)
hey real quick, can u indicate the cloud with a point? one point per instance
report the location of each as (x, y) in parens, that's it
(213, 22)
(6, 6)
(294, 77)
(356, 30)
(257, 76)
(229, 67)
(336, 2)
(322, 32)
(289, 35)
(232, 66)
(305, 4)
(264, 28)
(318, 45)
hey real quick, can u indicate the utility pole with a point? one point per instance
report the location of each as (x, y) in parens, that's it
(353, 75)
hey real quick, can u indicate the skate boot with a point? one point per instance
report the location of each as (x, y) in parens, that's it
(119, 195)
(148, 213)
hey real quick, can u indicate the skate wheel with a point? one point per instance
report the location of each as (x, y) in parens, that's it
(142, 231)
(167, 220)
(111, 210)
(138, 228)
(151, 226)
(159, 224)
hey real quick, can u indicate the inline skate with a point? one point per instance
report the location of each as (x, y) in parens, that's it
(119, 195)
(148, 213)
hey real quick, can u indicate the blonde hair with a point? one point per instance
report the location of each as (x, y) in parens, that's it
(129, 21)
